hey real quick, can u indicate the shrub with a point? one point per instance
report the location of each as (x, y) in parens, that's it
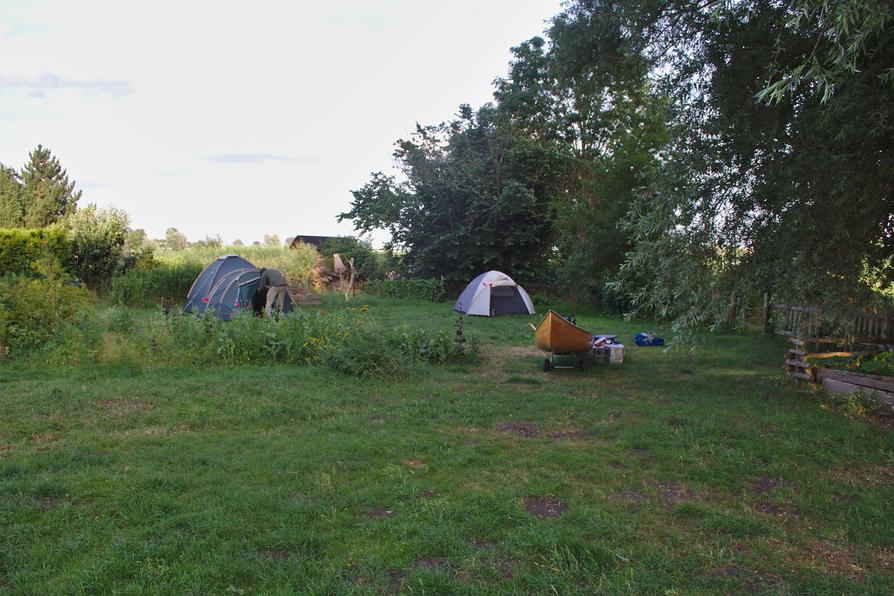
(33, 309)
(20, 247)
(157, 284)
(428, 289)
(367, 261)
(97, 241)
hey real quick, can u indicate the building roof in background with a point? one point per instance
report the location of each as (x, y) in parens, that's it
(315, 241)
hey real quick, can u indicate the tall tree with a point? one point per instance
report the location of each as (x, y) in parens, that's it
(792, 194)
(475, 197)
(47, 194)
(12, 211)
(175, 239)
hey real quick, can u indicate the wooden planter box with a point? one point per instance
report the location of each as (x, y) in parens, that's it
(841, 381)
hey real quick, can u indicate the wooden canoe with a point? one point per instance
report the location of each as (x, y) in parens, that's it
(557, 335)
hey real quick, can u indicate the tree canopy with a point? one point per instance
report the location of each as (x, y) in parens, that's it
(668, 156)
(37, 196)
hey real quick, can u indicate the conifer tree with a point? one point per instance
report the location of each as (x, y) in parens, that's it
(47, 194)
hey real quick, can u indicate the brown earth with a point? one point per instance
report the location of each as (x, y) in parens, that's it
(545, 507)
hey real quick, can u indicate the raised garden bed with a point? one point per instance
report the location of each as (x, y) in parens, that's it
(839, 372)
(877, 387)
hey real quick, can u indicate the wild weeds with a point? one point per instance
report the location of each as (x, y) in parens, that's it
(347, 340)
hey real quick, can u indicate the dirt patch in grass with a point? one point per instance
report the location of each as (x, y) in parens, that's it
(429, 494)
(566, 433)
(520, 428)
(672, 492)
(395, 580)
(545, 507)
(863, 475)
(4, 449)
(274, 554)
(504, 568)
(414, 463)
(434, 563)
(532, 430)
(634, 497)
(766, 484)
(482, 544)
(837, 559)
(768, 508)
(378, 513)
(754, 581)
(519, 351)
(45, 438)
(47, 503)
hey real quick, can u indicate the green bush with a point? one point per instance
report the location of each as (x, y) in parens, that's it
(20, 247)
(367, 261)
(418, 289)
(97, 242)
(161, 283)
(32, 309)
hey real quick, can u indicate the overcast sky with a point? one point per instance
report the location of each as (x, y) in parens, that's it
(241, 118)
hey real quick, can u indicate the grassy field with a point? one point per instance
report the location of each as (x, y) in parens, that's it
(679, 472)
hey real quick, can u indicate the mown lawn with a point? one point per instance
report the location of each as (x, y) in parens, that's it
(679, 472)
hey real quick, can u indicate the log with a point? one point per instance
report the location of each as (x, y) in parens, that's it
(798, 363)
(799, 375)
(822, 355)
(795, 352)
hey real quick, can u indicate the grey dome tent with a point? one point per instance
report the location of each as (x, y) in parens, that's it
(494, 293)
(228, 285)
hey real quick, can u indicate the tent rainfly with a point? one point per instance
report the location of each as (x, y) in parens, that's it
(228, 285)
(494, 293)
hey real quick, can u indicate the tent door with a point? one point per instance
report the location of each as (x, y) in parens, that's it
(505, 300)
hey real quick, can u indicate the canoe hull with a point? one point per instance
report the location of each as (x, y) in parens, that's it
(555, 334)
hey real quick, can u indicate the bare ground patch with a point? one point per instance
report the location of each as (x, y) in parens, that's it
(767, 484)
(416, 464)
(8, 448)
(378, 513)
(545, 507)
(633, 497)
(532, 430)
(45, 438)
(429, 494)
(47, 503)
(274, 554)
(863, 475)
(775, 509)
(671, 492)
(754, 581)
(837, 559)
(504, 567)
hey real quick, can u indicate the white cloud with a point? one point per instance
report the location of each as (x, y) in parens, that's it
(49, 82)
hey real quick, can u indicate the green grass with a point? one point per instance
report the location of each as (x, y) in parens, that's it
(682, 472)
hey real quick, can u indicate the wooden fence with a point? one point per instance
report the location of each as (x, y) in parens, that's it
(808, 322)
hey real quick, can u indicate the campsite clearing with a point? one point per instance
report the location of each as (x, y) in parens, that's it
(688, 471)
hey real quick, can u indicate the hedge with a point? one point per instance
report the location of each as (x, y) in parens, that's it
(20, 247)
